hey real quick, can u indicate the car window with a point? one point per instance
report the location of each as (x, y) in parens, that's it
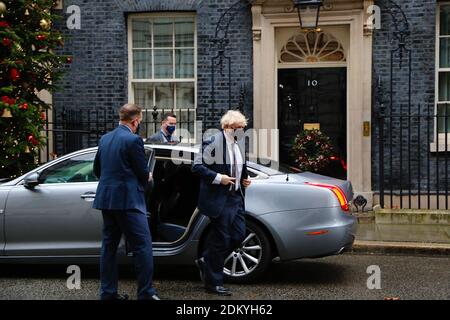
(75, 169)
(252, 174)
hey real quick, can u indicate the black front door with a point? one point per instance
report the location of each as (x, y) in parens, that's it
(314, 97)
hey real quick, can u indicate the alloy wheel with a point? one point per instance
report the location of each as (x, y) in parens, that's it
(245, 259)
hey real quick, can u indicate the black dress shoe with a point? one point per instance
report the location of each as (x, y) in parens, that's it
(117, 297)
(201, 267)
(219, 290)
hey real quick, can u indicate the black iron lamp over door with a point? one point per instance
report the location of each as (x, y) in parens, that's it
(308, 13)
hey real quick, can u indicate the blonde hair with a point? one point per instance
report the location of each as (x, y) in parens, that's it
(233, 117)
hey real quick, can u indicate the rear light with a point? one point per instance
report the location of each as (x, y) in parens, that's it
(340, 195)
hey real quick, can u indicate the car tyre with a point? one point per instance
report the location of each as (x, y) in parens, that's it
(255, 253)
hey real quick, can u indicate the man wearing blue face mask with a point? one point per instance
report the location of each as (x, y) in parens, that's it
(166, 134)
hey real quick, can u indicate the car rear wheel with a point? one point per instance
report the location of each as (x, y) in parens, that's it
(250, 260)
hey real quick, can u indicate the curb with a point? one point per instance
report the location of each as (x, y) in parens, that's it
(412, 248)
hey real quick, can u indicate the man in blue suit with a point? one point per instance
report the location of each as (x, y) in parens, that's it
(166, 134)
(121, 166)
(223, 172)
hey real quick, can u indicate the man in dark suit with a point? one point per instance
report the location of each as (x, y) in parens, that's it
(166, 134)
(121, 166)
(223, 172)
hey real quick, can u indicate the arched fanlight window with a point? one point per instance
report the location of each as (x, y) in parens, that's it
(312, 46)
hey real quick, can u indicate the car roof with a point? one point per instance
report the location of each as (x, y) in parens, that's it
(177, 147)
(185, 147)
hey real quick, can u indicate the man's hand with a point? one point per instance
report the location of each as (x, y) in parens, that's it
(150, 177)
(226, 180)
(246, 183)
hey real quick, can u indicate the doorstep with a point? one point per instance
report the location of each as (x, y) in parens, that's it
(408, 248)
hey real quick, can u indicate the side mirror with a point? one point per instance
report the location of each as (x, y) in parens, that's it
(31, 181)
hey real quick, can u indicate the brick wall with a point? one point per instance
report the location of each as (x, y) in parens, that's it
(98, 76)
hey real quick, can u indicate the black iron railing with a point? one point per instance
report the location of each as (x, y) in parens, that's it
(413, 164)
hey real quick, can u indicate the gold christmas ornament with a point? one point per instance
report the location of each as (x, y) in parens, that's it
(27, 13)
(45, 24)
(2, 7)
(18, 47)
(27, 149)
(7, 113)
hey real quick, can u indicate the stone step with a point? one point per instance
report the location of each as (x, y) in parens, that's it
(412, 217)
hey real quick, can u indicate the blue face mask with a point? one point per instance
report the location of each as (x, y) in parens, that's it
(171, 129)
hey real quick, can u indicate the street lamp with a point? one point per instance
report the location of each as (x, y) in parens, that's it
(308, 13)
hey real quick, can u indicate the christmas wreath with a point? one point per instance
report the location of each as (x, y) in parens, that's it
(312, 150)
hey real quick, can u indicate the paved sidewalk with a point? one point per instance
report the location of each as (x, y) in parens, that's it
(375, 238)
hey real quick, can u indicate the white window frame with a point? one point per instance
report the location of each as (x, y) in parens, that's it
(439, 138)
(194, 80)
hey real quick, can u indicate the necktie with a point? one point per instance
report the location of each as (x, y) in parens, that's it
(234, 171)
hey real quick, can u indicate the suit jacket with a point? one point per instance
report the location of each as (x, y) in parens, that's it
(160, 139)
(123, 171)
(211, 160)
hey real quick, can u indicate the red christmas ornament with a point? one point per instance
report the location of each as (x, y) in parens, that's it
(43, 117)
(14, 74)
(41, 37)
(69, 60)
(33, 140)
(7, 100)
(4, 24)
(24, 106)
(7, 42)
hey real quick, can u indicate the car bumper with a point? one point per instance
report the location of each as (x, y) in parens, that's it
(311, 233)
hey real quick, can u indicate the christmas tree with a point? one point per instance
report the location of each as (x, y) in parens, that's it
(28, 65)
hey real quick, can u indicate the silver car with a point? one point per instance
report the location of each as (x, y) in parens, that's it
(46, 216)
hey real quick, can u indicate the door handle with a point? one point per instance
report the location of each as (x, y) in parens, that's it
(88, 195)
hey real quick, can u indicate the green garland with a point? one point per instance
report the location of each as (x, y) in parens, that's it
(28, 65)
(312, 150)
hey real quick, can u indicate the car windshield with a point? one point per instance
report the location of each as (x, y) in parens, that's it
(273, 168)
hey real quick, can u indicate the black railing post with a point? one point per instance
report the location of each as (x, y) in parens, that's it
(155, 117)
(446, 155)
(64, 133)
(419, 122)
(401, 156)
(381, 158)
(47, 133)
(409, 129)
(429, 118)
(437, 162)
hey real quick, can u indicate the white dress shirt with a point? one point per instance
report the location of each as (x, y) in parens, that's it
(232, 147)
